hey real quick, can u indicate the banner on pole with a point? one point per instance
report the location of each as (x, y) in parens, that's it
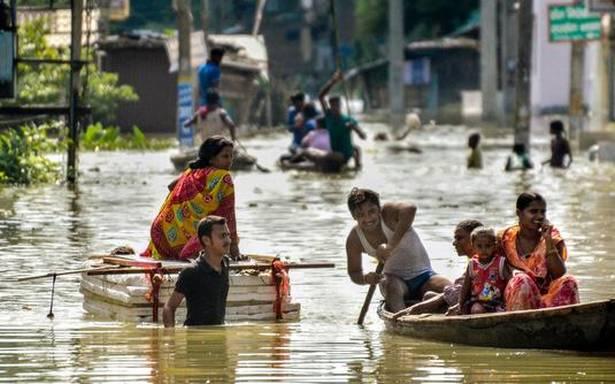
(184, 113)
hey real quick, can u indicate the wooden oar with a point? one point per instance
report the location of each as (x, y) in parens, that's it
(368, 298)
(232, 267)
(71, 272)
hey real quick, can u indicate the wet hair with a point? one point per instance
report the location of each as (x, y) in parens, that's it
(299, 96)
(309, 111)
(519, 148)
(209, 149)
(358, 196)
(473, 140)
(335, 99)
(212, 97)
(556, 126)
(216, 52)
(482, 231)
(206, 226)
(468, 225)
(526, 198)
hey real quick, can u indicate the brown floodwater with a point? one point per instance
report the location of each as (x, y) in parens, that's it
(302, 216)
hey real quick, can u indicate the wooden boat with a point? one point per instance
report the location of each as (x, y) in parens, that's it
(120, 288)
(241, 160)
(587, 326)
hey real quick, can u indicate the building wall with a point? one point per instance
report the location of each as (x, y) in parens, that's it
(551, 69)
(147, 71)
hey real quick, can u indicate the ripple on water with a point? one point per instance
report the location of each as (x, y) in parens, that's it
(292, 214)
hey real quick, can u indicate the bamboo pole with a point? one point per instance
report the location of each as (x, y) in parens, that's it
(235, 267)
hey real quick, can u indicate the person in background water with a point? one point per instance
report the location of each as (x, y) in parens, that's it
(485, 277)
(209, 74)
(386, 233)
(560, 147)
(475, 157)
(448, 300)
(536, 248)
(340, 126)
(205, 284)
(214, 119)
(519, 159)
(205, 188)
(296, 126)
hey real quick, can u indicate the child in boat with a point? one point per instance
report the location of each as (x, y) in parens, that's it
(214, 119)
(560, 147)
(486, 276)
(448, 300)
(475, 157)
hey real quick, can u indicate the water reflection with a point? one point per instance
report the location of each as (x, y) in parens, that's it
(292, 214)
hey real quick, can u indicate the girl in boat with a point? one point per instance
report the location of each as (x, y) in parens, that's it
(485, 277)
(537, 249)
(205, 188)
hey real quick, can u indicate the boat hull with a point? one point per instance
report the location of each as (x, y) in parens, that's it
(589, 326)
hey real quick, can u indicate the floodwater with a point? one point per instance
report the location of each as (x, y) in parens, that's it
(302, 216)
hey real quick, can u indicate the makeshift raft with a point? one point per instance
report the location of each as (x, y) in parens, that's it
(241, 160)
(588, 326)
(130, 288)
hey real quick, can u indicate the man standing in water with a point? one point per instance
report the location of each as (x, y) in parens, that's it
(205, 284)
(209, 74)
(386, 233)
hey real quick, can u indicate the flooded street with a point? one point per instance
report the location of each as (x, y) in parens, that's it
(302, 216)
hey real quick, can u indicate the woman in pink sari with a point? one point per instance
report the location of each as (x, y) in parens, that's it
(205, 188)
(536, 249)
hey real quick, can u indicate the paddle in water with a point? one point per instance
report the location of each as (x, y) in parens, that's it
(368, 297)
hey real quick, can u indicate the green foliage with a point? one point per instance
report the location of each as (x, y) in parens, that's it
(423, 19)
(104, 95)
(22, 159)
(48, 84)
(99, 138)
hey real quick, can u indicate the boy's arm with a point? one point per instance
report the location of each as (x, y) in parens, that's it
(355, 127)
(192, 120)
(569, 153)
(464, 294)
(326, 88)
(229, 124)
(402, 214)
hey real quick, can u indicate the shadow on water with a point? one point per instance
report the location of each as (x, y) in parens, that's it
(304, 216)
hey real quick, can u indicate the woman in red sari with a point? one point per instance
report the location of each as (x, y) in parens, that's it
(205, 188)
(536, 249)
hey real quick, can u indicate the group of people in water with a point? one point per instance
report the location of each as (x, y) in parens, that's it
(324, 139)
(519, 159)
(520, 267)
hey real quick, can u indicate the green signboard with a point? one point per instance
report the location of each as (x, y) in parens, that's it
(573, 23)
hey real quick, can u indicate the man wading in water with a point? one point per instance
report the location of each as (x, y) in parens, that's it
(205, 284)
(386, 233)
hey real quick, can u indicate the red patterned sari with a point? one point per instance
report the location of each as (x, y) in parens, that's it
(197, 194)
(534, 287)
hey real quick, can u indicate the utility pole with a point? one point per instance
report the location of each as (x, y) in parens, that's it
(184, 73)
(575, 107)
(396, 63)
(205, 19)
(488, 59)
(258, 16)
(523, 74)
(75, 68)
